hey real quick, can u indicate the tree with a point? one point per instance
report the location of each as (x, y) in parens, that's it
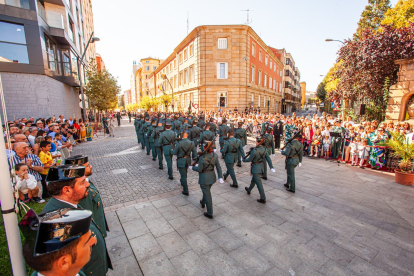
(131, 107)
(321, 92)
(331, 79)
(372, 16)
(102, 88)
(401, 15)
(121, 101)
(148, 102)
(367, 62)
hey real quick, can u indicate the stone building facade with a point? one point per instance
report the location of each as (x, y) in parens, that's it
(222, 66)
(39, 53)
(401, 97)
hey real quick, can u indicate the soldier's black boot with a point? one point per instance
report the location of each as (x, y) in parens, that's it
(261, 201)
(202, 204)
(247, 190)
(208, 216)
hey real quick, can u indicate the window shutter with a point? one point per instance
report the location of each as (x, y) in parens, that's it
(226, 74)
(218, 70)
(222, 43)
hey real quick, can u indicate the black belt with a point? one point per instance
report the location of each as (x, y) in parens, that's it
(256, 163)
(292, 157)
(187, 156)
(208, 171)
(167, 144)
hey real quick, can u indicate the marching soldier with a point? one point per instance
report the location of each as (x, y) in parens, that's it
(213, 126)
(167, 139)
(269, 145)
(177, 125)
(223, 131)
(230, 151)
(93, 201)
(201, 123)
(278, 132)
(207, 177)
(205, 136)
(194, 133)
(118, 118)
(157, 145)
(143, 131)
(240, 133)
(294, 155)
(183, 149)
(151, 139)
(257, 155)
(137, 125)
(185, 125)
(337, 141)
(68, 186)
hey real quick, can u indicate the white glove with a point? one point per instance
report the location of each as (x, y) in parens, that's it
(273, 155)
(196, 165)
(190, 167)
(215, 150)
(300, 164)
(273, 170)
(221, 180)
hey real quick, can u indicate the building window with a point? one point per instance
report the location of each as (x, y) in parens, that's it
(260, 55)
(175, 81)
(264, 101)
(265, 80)
(222, 70)
(191, 74)
(280, 72)
(221, 99)
(271, 65)
(191, 50)
(287, 84)
(148, 68)
(147, 61)
(253, 49)
(252, 74)
(287, 73)
(155, 67)
(175, 63)
(51, 55)
(71, 32)
(185, 76)
(274, 67)
(180, 58)
(274, 85)
(258, 102)
(80, 44)
(259, 77)
(66, 62)
(185, 54)
(280, 87)
(222, 43)
(266, 59)
(180, 81)
(270, 82)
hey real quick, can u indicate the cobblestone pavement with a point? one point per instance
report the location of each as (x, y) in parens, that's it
(341, 221)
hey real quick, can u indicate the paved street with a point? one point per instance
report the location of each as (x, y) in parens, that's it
(341, 221)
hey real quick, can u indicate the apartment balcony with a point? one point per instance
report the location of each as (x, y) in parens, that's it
(57, 27)
(56, 2)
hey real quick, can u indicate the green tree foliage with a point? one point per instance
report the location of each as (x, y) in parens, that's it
(321, 92)
(102, 88)
(372, 16)
(148, 102)
(401, 15)
(132, 107)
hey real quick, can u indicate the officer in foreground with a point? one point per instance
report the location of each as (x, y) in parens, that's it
(58, 242)
(294, 155)
(184, 149)
(240, 133)
(207, 177)
(167, 139)
(223, 132)
(68, 187)
(93, 201)
(256, 156)
(269, 145)
(157, 145)
(230, 150)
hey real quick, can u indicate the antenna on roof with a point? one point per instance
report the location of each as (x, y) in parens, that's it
(248, 21)
(188, 22)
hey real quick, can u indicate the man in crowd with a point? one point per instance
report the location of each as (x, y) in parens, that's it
(278, 132)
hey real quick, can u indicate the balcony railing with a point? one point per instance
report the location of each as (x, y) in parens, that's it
(55, 20)
(24, 4)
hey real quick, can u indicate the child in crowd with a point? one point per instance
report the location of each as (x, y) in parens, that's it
(47, 160)
(363, 153)
(326, 146)
(355, 146)
(26, 184)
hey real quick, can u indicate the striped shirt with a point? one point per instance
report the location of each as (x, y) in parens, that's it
(36, 162)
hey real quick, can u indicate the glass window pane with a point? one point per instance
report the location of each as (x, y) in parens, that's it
(13, 53)
(222, 70)
(12, 33)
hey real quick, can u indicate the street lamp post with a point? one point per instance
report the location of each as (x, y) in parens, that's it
(164, 77)
(91, 40)
(330, 40)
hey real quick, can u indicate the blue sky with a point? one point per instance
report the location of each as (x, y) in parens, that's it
(134, 29)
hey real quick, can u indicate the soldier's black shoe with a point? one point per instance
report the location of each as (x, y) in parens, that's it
(202, 205)
(147, 153)
(234, 186)
(261, 201)
(153, 159)
(238, 165)
(208, 216)
(289, 190)
(264, 177)
(225, 176)
(247, 190)
(161, 168)
(187, 194)
(171, 178)
(286, 185)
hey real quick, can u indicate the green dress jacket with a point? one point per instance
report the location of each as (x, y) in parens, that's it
(177, 125)
(100, 261)
(256, 157)
(194, 134)
(144, 129)
(167, 139)
(205, 168)
(223, 131)
(231, 148)
(293, 153)
(156, 135)
(184, 149)
(201, 124)
(149, 133)
(213, 127)
(94, 203)
(269, 144)
(240, 133)
(206, 135)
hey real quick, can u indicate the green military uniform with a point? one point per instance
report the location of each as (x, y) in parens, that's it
(100, 261)
(142, 131)
(183, 150)
(207, 177)
(213, 127)
(118, 118)
(223, 131)
(94, 204)
(240, 134)
(137, 122)
(184, 126)
(230, 150)
(194, 134)
(337, 141)
(177, 126)
(256, 157)
(206, 135)
(264, 125)
(201, 123)
(294, 154)
(151, 141)
(167, 139)
(269, 145)
(157, 145)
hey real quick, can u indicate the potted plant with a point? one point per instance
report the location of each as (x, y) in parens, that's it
(404, 149)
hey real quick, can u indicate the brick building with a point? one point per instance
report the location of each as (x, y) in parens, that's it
(40, 44)
(224, 66)
(141, 78)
